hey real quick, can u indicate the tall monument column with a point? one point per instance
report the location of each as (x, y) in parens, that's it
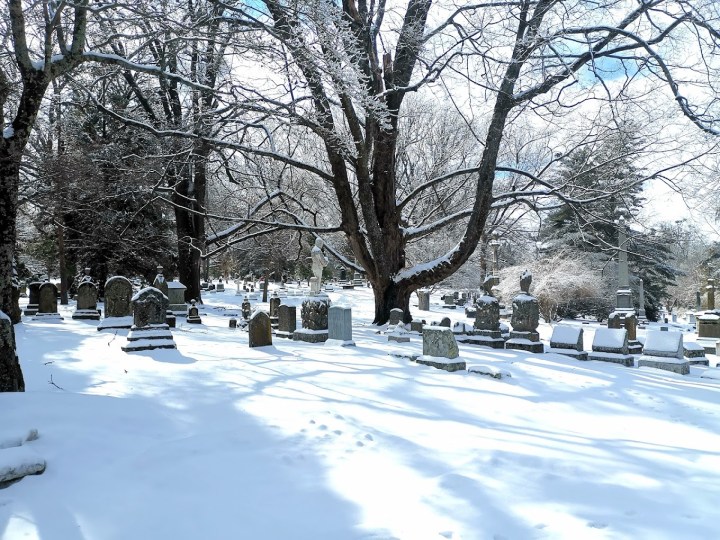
(624, 314)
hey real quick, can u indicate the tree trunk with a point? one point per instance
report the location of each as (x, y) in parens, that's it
(389, 295)
(9, 182)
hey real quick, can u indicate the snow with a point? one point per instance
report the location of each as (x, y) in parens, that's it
(566, 335)
(666, 342)
(4, 316)
(175, 285)
(140, 293)
(304, 441)
(609, 338)
(8, 132)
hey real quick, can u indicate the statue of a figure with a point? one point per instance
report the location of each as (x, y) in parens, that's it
(319, 262)
(525, 281)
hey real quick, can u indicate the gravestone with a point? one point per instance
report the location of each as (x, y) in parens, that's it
(220, 287)
(193, 314)
(274, 305)
(710, 289)
(708, 330)
(525, 319)
(287, 323)
(246, 308)
(233, 323)
(416, 326)
(340, 326)
(440, 350)
(259, 330)
(449, 300)
(314, 316)
(149, 330)
(664, 350)
(567, 340)
(12, 379)
(34, 300)
(118, 308)
(611, 345)
(423, 300)
(695, 354)
(627, 320)
(487, 321)
(176, 297)
(160, 283)
(47, 304)
(396, 316)
(446, 322)
(86, 308)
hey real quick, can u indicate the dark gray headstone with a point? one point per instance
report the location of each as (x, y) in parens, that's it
(118, 292)
(274, 304)
(47, 298)
(287, 322)
(487, 313)
(445, 322)
(314, 314)
(259, 330)
(87, 296)
(526, 313)
(396, 316)
(149, 307)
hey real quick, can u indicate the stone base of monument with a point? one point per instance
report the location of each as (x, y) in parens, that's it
(347, 286)
(694, 353)
(196, 319)
(154, 336)
(635, 347)
(525, 341)
(284, 335)
(170, 319)
(572, 353)
(398, 338)
(274, 322)
(486, 338)
(86, 315)
(626, 360)
(676, 365)
(47, 317)
(340, 343)
(440, 362)
(310, 336)
(113, 323)
(178, 309)
(31, 310)
(709, 345)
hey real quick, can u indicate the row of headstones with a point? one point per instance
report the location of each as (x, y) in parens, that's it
(663, 350)
(321, 322)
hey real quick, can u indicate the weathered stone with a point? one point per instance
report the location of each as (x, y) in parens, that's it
(526, 313)
(274, 305)
(628, 321)
(34, 298)
(396, 316)
(233, 323)
(340, 324)
(314, 314)
(176, 297)
(86, 301)
(449, 300)
(487, 314)
(710, 294)
(416, 326)
(193, 314)
(287, 321)
(446, 322)
(118, 292)
(423, 300)
(160, 283)
(259, 330)
(246, 308)
(48, 298)
(445, 364)
(11, 377)
(149, 307)
(439, 341)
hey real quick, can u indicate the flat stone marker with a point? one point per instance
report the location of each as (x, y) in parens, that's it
(611, 345)
(567, 340)
(664, 350)
(340, 326)
(259, 330)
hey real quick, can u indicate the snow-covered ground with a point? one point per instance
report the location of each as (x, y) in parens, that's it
(215, 440)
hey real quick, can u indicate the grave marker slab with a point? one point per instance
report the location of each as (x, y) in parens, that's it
(259, 330)
(664, 350)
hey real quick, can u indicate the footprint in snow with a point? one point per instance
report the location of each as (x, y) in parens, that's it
(312, 421)
(369, 437)
(322, 427)
(597, 525)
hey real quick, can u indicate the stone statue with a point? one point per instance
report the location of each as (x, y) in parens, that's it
(319, 262)
(525, 281)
